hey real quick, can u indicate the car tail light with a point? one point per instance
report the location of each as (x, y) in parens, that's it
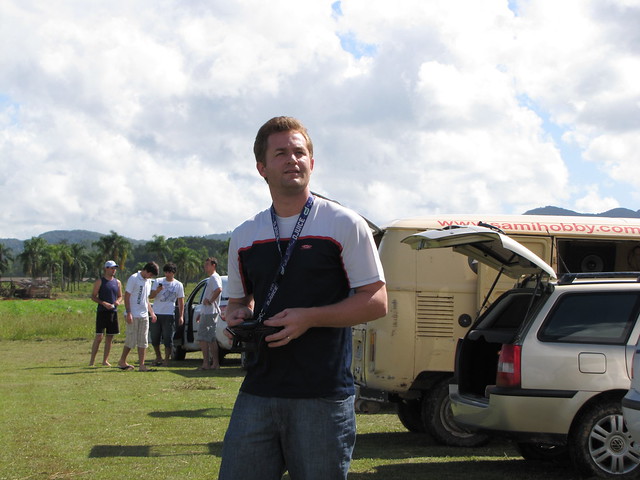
(509, 366)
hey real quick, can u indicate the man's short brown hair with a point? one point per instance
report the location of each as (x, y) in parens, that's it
(212, 261)
(276, 125)
(151, 267)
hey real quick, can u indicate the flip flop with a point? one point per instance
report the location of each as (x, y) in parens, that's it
(157, 363)
(126, 368)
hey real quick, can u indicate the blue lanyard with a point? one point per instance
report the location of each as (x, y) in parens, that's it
(284, 259)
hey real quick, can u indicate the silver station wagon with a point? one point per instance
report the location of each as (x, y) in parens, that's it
(548, 363)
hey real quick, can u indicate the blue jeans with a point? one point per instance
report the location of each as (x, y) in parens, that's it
(312, 438)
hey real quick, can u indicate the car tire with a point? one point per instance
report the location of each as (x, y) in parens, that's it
(178, 353)
(410, 415)
(221, 354)
(600, 444)
(542, 452)
(437, 418)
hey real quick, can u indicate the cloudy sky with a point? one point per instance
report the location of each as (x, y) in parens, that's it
(139, 116)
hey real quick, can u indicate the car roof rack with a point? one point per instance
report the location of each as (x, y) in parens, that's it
(568, 278)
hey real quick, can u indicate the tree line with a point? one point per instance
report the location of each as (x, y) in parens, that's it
(66, 265)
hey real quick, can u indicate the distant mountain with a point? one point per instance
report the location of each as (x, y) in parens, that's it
(12, 243)
(613, 213)
(218, 236)
(84, 237)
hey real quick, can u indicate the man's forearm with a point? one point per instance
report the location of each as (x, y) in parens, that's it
(367, 303)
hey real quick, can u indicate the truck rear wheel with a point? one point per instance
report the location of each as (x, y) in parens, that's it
(438, 419)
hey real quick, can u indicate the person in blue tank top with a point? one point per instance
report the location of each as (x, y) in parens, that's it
(107, 293)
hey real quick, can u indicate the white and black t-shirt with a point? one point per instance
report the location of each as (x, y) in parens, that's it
(334, 254)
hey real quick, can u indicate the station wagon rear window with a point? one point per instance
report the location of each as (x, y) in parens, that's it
(594, 317)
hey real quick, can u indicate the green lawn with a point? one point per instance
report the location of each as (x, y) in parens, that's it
(62, 419)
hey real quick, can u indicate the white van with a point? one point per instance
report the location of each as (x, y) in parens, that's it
(407, 357)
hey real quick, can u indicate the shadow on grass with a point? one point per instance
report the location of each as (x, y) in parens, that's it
(199, 413)
(185, 368)
(493, 461)
(168, 450)
(400, 445)
(453, 469)
(221, 372)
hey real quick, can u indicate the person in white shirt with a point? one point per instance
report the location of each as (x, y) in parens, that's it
(166, 292)
(136, 302)
(208, 317)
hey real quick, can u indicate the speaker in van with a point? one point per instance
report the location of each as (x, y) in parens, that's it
(590, 258)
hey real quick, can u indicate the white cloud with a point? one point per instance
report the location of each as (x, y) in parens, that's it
(139, 117)
(593, 202)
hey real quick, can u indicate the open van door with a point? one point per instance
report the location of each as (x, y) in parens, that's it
(485, 245)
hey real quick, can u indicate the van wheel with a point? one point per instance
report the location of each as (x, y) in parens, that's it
(543, 452)
(600, 444)
(438, 419)
(410, 415)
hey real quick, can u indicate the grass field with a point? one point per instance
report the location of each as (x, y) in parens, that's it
(62, 419)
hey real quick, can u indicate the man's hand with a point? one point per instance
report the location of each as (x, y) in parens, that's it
(294, 324)
(129, 318)
(238, 315)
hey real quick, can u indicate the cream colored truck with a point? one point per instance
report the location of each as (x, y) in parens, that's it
(407, 357)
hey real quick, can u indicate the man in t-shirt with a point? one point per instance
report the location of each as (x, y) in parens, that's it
(107, 293)
(209, 312)
(136, 301)
(167, 292)
(295, 409)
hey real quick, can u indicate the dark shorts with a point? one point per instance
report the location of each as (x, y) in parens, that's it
(107, 321)
(163, 330)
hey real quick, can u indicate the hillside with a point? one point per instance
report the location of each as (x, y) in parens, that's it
(87, 238)
(613, 213)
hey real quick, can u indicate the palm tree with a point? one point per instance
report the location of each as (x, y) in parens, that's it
(53, 262)
(79, 263)
(188, 262)
(60, 260)
(160, 247)
(114, 247)
(33, 256)
(5, 258)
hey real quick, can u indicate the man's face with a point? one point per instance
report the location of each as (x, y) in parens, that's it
(288, 164)
(146, 275)
(208, 267)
